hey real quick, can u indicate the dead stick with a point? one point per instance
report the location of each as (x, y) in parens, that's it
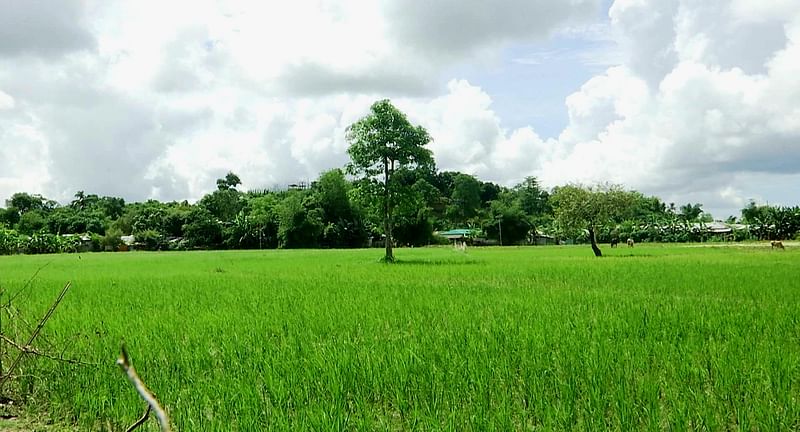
(141, 420)
(34, 351)
(124, 362)
(35, 333)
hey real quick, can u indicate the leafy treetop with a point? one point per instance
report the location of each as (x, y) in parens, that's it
(385, 139)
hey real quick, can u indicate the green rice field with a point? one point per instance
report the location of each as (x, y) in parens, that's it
(538, 338)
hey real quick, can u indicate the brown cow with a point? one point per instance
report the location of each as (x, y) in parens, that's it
(777, 244)
(630, 242)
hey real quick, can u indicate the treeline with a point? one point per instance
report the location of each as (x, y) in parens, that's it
(336, 212)
(395, 196)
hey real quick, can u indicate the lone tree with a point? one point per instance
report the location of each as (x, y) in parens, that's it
(381, 143)
(590, 208)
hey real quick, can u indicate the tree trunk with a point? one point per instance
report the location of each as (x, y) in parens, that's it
(595, 249)
(388, 213)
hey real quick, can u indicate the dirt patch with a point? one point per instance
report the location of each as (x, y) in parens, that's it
(25, 423)
(15, 424)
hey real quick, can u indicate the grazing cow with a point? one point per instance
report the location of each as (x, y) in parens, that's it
(614, 242)
(777, 244)
(630, 242)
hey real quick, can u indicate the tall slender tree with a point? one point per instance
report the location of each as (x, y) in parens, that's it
(381, 143)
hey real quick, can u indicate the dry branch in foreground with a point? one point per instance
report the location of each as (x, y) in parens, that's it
(26, 348)
(125, 364)
(141, 420)
(33, 351)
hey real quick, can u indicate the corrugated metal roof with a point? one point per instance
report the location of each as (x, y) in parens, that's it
(460, 231)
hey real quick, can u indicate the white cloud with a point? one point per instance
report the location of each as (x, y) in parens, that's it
(706, 96)
(158, 99)
(145, 99)
(23, 165)
(6, 101)
(468, 135)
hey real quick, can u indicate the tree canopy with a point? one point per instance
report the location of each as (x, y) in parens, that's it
(579, 207)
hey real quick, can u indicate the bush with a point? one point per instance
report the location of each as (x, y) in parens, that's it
(69, 244)
(96, 242)
(150, 240)
(742, 235)
(10, 241)
(439, 240)
(112, 240)
(178, 245)
(43, 243)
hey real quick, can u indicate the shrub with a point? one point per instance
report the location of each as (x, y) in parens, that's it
(150, 240)
(112, 240)
(43, 243)
(10, 241)
(96, 242)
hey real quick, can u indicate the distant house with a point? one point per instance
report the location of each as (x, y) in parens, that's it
(715, 227)
(128, 243)
(473, 236)
(457, 234)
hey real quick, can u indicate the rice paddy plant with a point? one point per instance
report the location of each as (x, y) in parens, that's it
(651, 338)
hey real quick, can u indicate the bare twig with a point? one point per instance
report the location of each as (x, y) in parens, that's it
(35, 333)
(16, 319)
(34, 351)
(125, 364)
(141, 420)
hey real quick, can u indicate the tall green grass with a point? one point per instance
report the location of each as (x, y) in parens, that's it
(652, 338)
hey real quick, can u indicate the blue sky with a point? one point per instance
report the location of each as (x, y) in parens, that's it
(531, 82)
(530, 85)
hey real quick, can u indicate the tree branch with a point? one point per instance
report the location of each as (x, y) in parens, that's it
(31, 350)
(125, 364)
(36, 331)
(141, 420)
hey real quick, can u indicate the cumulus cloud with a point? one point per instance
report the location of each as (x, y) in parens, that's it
(699, 103)
(118, 99)
(469, 136)
(24, 154)
(452, 27)
(703, 101)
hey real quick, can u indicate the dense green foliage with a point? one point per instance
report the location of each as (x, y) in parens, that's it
(339, 213)
(578, 208)
(675, 338)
